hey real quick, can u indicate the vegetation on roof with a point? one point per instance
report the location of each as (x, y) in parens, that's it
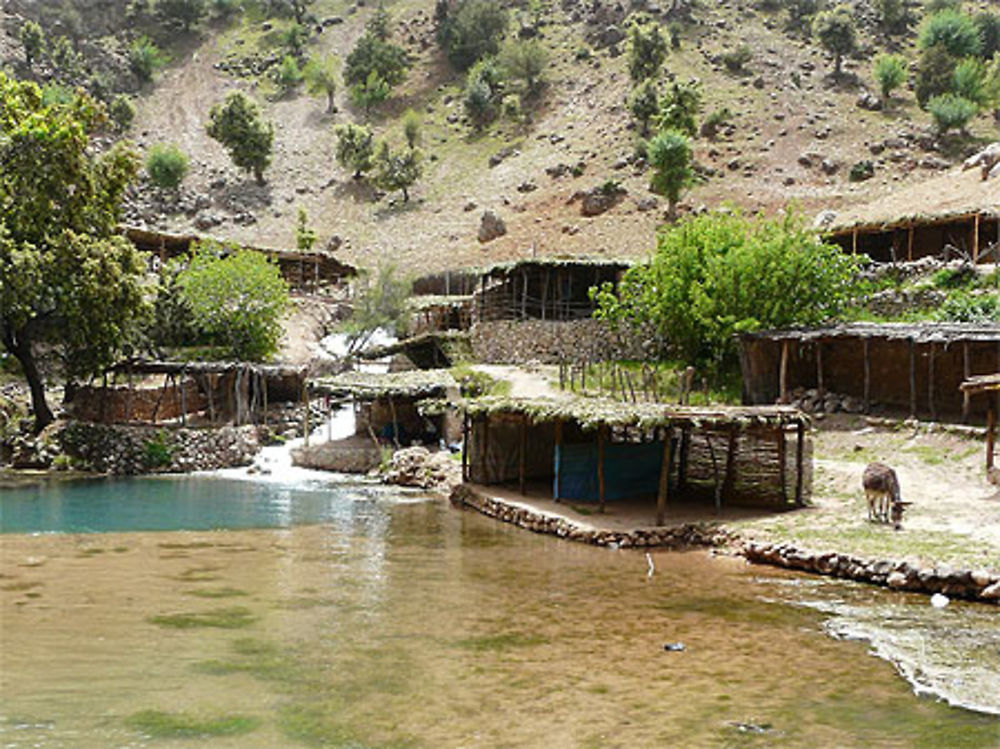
(418, 383)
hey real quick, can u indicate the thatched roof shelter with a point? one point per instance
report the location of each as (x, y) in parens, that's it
(430, 350)
(410, 385)
(957, 208)
(988, 385)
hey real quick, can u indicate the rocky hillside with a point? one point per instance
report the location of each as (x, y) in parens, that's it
(793, 135)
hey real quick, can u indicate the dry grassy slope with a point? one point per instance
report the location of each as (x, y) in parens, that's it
(583, 105)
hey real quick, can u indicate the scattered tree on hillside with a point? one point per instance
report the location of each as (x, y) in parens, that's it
(33, 40)
(470, 31)
(237, 125)
(483, 92)
(644, 104)
(411, 128)
(288, 74)
(68, 279)
(988, 26)
(835, 31)
(184, 13)
(893, 16)
(379, 25)
(121, 111)
(321, 79)
(647, 49)
(355, 148)
(305, 236)
(890, 73)
(294, 39)
(955, 31)
(524, 61)
(721, 273)
(680, 107)
(237, 297)
(972, 81)
(800, 13)
(297, 9)
(375, 66)
(397, 170)
(935, 73)
(166, 165)
(951, 112)
(372, 91)
(669, 154)
(144, 58)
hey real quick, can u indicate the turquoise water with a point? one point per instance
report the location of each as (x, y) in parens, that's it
(174, 504)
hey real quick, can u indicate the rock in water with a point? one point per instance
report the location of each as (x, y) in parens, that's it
(939, 600)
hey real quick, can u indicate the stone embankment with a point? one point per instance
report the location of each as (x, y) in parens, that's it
(130, 450)
(671, 537)
(976, 585)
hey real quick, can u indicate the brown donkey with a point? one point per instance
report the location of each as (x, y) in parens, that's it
(882, 490)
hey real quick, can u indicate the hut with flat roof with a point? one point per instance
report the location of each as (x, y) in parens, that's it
(954, 215)
(601, 451)
(913, 368)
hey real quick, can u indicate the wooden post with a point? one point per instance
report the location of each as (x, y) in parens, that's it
(395, 422)
(545, 294)
(909, 244)
(661, 496)
(854, 241)
(729, 481)
(305, 400)
(521, 456)
(782, 460)
(868, 375)
(524, 296)
(263, 388)
(465, 446)
(930, 382)
(820, 385)
(913, 379)
(184, 400)
(975, 239)
(966, 373)
(800, 460)
(991, 424)
(682, 463)
(557, 488)
(484, 450)
(600, 464)
(783, 372)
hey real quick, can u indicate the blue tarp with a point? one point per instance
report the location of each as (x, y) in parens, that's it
(630, 470)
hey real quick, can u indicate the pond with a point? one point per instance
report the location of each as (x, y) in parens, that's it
(211, 612)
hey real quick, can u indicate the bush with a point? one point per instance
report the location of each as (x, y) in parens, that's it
(321, 79)
(471, 31)
(33, 39)
(892, 15)
(988, 26)
(166, 165)
(737, 59)
(890, 73)
(712, 123)
(955, 31)
(935, 73)
(861, 171)
(524, 61)
(510, 107)
(722, 273)
(375, 66)
(835, 31)
(483, 92)
(355, 148)
(669, 154)
(122, 112)
(236, 124)
(647, 49)
(644, 104)
(951, 111)
(158, 452)
(679, 108)
(237, 296)
(972, 82)
(145, 58)
(412, 125)
(800, 13)
(971, 308)
(288, 75)
(397, 171)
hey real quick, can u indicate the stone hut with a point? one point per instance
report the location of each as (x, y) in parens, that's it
(604, 451)
(915, 369)
(954, 215)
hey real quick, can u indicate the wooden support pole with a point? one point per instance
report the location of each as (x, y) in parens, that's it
(966, 373)
(729, 482)
(601, 438)
(782, 463)
(930, 382)
(662, 494)
(975, 239)
(522, 456)
(682, 463)
(263, 387)
(484, 451)
(913, 379)
(800, 462)
(184, 400)
(868, 376)
(991, 425)
(305, 401)
(783, 372)
(854, 241)
(557, 487)
(820, 384)
(465, 446)
(909, 244)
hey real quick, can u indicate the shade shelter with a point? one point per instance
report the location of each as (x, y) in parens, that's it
(916, 368)
(988, 386)
(602, 451)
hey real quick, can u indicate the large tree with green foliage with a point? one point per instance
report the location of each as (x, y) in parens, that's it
(355, 148)
(380, 302)
(470, 31)
(237, 125)
(722, 273)
(321, 79)
(956, 31)
(374, 55)
(524, 61)
(237, 297)
(397, 170)
(647, 49)
(836, 32)
(67, 278)
(669, 153)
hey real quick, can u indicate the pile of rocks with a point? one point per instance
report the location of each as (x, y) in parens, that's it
(812, 402)
(980, 585)
(419, 467)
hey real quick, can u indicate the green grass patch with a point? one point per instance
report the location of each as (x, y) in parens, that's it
(158, 724)
(322, 725)
(198, 575)
(18, 587)
(224, 592)
(501, 642)
(232, 618)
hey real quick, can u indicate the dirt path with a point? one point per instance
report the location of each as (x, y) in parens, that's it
(524, 383)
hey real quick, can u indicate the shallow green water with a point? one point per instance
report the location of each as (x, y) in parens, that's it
(384, 622)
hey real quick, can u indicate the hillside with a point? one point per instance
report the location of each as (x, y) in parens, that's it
(794, 133)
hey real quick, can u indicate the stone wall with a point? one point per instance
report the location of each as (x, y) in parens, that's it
(548, 341)
(128, 450)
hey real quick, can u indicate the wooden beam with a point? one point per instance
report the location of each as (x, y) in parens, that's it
(465, 446)
(305, 400)
(930, 382)
(729, 482)
(484, 451)
(854, 241)
(820, 384)
(991, 425)
(783, 372)
(682, 463)
(975, 239)
(601, 439)
(557, 488)
(661, 495)
(800, 460)
(868, 376)
(782, 463)
(521, 455)
(909, 244)
(966, 374)
(913, 379)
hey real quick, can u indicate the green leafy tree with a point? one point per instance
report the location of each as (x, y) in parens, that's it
(800, 13)
(988, 26)
(166, 165)
(471, 31)
(719, 274)
(380, 24)
(380, 303)
(294, 39)
(305, 236)
(411, 128)
(355, 148)
(183, 13)
(68, 279)
(836, 32)
(397, 170)
(644, 104)
(371, 92)
(524, 61)
(669, 153)
(955, 31)
(145, 58)
(288, 74)
(479, 103)
(972, 83)
(33, 40)
(237, 125)
(951, 112)
(237, 296)
(647, 49)
(890, 73)
(680, 107)
(936, 6)
(893, 16)
(321, 79)
(935, 73)
(121, 111)
(372, 55)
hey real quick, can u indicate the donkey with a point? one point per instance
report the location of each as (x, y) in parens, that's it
(882, 490)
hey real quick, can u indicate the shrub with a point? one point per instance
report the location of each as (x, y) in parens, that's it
(890, 73)
(712, 123)
(145, 58)
(288, 74)
(471, 31)
(411, 128)
(510, 107)
(321, 79)
(835, 31)
(892, 15)
(971, 308)
(225, 9)
(397, 171)
(861, 171)
(972, 81)
(737, 59)
(166, 165)
(236, 124)
(935, 73)
(183, 13)
(477, 102)
(355, 148)
(33, 40)
(951, 111)
(371, 54)
(374, 90)
(679, 108)
(669, 154)
(647, 49)
(644, 103)
(955, 31)
(524, 61)
(800, 13)
(158, 451)
(122, 112)
(294, 39)
(988, 26)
